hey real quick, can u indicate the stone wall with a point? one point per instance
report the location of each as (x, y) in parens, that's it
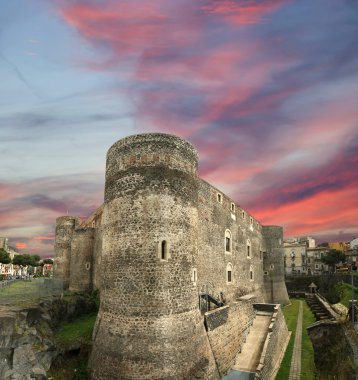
(218, 219)
(273, 266)
(65, 225)
(81, 268)
(227, 328)
(335, 349)
(274, 346)
(162, 236)
(149, 317)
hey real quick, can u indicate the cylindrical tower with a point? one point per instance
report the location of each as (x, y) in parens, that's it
(65, 226)
(149, 325)
(273, 265)
(82, 259)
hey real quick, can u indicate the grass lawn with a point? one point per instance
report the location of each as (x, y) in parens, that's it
(21, 292)
(307, 360)
(347, 294)
(78, 331)
(73, 366)
(307, 355)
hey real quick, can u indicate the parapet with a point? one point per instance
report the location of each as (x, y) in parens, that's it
(152, 153)
(68, 221)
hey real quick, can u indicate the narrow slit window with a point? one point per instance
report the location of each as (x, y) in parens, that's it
(219, 198)
(195, 276)
(164, 250)
(229, 273)
(228, 242)
(248, 248)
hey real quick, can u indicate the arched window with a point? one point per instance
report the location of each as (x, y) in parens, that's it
(164, 250)
(93, 224)
(228, 241)
(229, 276)
(251, 273)
(248, 248)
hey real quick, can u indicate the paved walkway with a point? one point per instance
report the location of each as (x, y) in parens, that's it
(295, 370)
(249, 357)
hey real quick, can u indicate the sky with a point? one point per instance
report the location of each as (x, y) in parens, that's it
(266, 90)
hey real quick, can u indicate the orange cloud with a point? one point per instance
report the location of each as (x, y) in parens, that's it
(21, 245)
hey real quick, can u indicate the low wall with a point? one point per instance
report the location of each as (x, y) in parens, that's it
(334, 315)
(275, 343)
(227, 328)
(335, 348)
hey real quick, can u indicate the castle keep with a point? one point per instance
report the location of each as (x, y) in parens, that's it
(164, 247)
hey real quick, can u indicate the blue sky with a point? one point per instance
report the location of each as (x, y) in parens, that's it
(265, 90)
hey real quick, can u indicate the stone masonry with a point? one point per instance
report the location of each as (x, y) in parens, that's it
(163, 236)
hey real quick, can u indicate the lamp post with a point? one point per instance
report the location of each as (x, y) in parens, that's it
(352, 281)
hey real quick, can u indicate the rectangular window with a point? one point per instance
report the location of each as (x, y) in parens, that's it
(227, 244)
(248, 251)
(229, 276)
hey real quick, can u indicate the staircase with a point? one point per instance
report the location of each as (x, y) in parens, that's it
(317, 309)
(206, 299)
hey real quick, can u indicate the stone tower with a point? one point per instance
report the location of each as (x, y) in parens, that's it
(81, 273)
(149, 317)
(65, 226)
(273, 265)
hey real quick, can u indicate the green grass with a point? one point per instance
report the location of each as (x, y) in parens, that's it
(307, 354)
(307, 359)
(290, 312)
(347, 294)
(74, 334)
(78, 331)
(21, 293)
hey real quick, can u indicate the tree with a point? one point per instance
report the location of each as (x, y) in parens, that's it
(333, 257)
(4, 257)
(25, 260)
(48, 261)
(18, 260)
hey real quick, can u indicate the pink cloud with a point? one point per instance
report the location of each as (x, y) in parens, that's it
(44, 237)
(242, 12)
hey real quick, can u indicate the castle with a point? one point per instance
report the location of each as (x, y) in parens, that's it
(162, 246)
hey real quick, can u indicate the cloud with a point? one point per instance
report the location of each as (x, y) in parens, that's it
(29, 216)
(243, 12)
(264, 89)
(21, 245)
